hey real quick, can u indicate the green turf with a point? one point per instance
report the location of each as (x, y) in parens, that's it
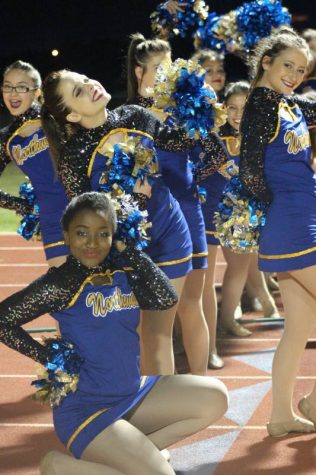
(10, 181)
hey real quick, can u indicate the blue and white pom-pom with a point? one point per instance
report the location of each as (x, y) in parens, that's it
(125, 163)
(132, 223)
(239, 30)
(180, 91)
(181, 23)
(239, 218)
(135, 158)
(61, 374)
(256, 20)
(30, 225)
(208, 37)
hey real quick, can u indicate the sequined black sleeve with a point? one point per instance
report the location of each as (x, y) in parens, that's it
(152, 288)
(308, 107)
(258, 126)
(175, 140)
(51, 292)
(76, 154)
(73, 166)
(4, 158)
(214, 156)
(166, 138)
(14, 203)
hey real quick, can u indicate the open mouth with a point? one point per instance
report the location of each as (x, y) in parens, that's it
(15, 104)
(289, 85)
(98, 93)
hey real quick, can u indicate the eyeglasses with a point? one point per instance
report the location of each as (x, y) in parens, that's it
(18, 89)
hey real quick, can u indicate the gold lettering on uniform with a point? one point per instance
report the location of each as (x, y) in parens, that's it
(102, 305)
(296, 142)
(35, 146)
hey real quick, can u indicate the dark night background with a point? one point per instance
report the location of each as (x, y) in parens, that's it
(92, 35)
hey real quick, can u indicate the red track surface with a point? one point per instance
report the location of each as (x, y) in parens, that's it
(26, 431)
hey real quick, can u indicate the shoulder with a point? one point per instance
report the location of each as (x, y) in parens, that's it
(264, 98)
(64, 279)
(128, 111)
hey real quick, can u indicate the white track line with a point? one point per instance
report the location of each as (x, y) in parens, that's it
(13, 285)
(9, 234)
(20, 248)
(302, 378)
(18, 376)
(18, 264)
(8, 424)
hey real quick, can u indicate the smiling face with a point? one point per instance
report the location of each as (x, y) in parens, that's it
(235, 105)
(89, 236)
(19, 102)
(146, 76)
(285, 72)
(84, 97)
(215, 74)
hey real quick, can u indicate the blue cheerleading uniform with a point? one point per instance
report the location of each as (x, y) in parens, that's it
(106, 391)
(275, 167)
(215, 183)
(31, 155)
(171, 246)
(100, 319)
(176, 170)
(177, 174)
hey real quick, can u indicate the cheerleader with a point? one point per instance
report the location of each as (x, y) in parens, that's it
(143, 59)
(215, 75)
(24, 142)
(112, 420)
(240, 267)
(275, 168)
(75, 115)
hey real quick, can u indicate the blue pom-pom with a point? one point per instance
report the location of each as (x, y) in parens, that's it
(192, 111)
(62, 371)
(30, 225)
(181, 23)
(255, 20)
(208, 36)
(239, 218)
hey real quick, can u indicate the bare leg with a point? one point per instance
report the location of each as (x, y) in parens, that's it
(209, 297)
(179, 406)
(156, 337)
(57, 463)
(270, 281)
(306, 277)
(121, 449)
(210, 307)
(233, 285)
(194, 328)
(176, 407)
(300, 311)
(257, 288)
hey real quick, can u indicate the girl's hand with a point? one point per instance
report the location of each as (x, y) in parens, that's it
(120, 246)
(173, 6)
(142, 187)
